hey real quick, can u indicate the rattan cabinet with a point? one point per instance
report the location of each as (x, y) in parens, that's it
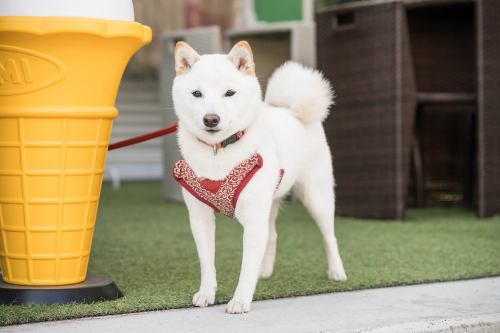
(364, 50)
(389, 61)
(488, 35)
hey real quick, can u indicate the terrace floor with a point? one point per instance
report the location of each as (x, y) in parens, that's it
(146, 246)
(471, 306)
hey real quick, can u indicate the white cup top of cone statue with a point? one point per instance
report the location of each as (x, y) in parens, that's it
(122, 10)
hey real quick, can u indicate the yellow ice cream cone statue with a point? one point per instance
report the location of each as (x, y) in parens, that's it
(59, 78)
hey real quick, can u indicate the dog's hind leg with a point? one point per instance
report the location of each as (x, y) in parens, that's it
(202, 221)
(315, 189)
(266, 269)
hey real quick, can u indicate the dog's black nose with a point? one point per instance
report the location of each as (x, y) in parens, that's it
(211, 120)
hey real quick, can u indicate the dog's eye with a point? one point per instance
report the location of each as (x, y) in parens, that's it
(197, 93)
(230, 93)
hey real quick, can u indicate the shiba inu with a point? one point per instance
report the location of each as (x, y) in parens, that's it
(243, 155)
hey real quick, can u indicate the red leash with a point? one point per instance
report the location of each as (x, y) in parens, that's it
(142, 138)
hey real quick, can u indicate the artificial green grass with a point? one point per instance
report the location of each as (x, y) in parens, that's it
(146, 246)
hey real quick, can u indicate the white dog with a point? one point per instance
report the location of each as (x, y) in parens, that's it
(243, 155)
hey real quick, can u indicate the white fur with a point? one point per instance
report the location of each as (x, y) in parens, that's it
(304, 91)
(292, 139)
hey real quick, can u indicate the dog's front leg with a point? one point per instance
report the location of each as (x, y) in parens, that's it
(255, 233)
(202, 221)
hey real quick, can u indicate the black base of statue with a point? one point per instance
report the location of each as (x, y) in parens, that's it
(93, 289)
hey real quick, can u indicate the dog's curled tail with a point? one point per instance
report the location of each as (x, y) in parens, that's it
(305, 91)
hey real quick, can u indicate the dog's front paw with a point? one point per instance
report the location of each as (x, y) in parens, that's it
(337, 275)
(203, 298)
(237, 306)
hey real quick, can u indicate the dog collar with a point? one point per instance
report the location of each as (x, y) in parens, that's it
(223, 144)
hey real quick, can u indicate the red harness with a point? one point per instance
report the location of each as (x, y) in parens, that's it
(221, 195)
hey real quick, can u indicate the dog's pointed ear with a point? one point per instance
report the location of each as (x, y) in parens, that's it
(242, 57)
(185, 58)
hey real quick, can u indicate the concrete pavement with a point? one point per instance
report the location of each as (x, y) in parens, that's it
(461, 306)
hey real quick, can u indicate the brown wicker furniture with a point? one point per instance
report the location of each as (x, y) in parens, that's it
(443, 49)
(387, 60)
(364, 50)
(457, 104)
(488, 34)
